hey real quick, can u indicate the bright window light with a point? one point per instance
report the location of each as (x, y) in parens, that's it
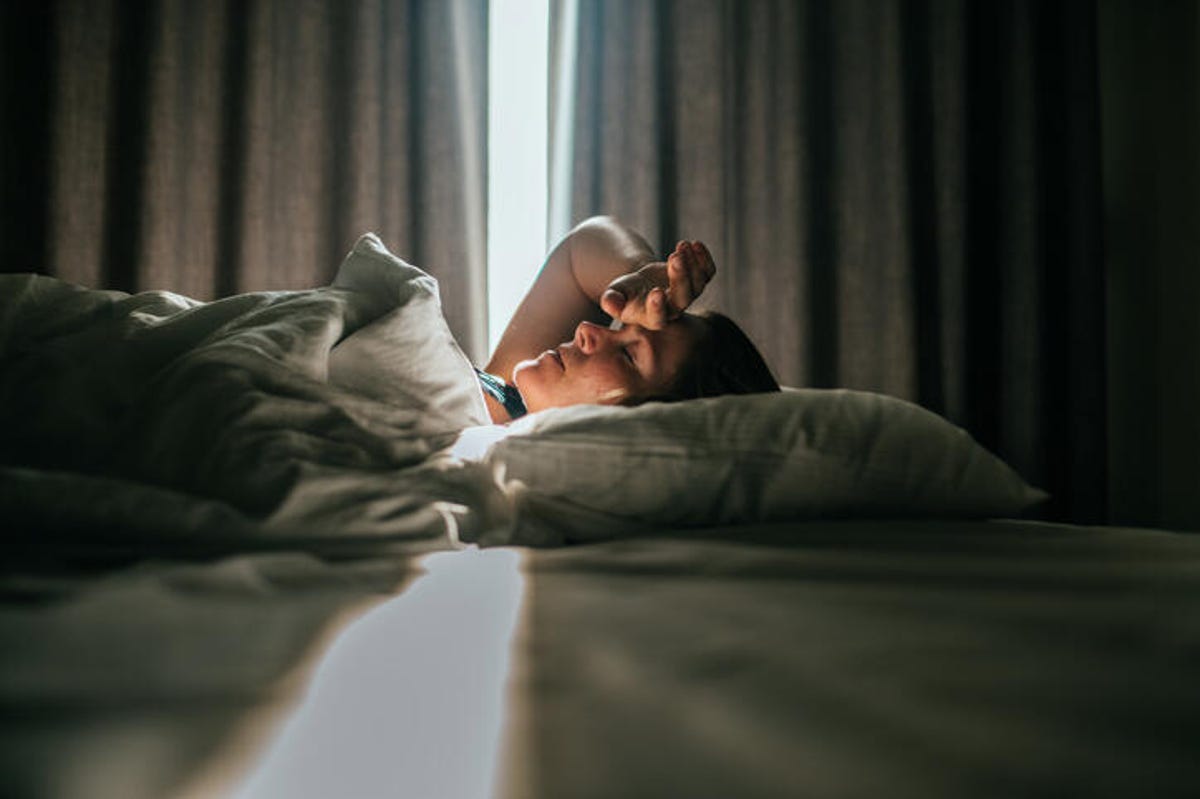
(518, 39)
(562, 140)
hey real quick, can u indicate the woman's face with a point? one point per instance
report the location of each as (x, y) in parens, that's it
(608, 367)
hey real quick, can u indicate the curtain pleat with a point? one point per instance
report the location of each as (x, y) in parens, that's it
(901, 197)
(240, 145)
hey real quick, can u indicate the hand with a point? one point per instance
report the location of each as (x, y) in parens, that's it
(659, 292)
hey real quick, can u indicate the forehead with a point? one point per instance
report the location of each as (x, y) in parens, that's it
(671, 346)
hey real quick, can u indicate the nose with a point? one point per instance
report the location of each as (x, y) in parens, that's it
(589, 336)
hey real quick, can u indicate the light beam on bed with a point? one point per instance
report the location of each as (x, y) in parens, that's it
(518, 32)
(409, 700)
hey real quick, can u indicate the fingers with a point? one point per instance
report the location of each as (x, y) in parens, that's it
(659, 292)
(702, 264)
(631, 298)
(658, 310)
(679, 281)
(708, 267)
(613, 302)
(695, 276)
(689, 268)
(650, 309)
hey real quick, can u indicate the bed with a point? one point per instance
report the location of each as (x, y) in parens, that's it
(253, 553)
(899, 658)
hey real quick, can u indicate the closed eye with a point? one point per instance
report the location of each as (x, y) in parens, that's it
(629, 355)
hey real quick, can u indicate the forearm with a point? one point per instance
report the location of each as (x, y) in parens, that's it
(601, 249)
(567, 289)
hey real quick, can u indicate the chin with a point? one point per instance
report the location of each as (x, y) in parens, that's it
(526, 380)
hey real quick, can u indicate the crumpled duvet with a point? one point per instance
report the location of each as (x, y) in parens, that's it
(267, 420)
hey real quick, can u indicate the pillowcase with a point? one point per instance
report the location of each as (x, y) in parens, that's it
(586, 471)
(405, 357)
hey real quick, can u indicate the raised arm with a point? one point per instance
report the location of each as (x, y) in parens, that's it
(601, 270)
(568, 289)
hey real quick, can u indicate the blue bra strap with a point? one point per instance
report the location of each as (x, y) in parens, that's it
(507, 395)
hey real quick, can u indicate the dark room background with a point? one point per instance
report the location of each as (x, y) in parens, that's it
(989, 209)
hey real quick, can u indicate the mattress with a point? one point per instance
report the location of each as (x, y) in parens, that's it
(998, 658)
(851, 658)
(159, 677)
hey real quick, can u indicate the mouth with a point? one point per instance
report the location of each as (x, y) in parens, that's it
(557, 356)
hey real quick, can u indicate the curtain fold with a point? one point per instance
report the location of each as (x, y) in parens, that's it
(228, 146)
(901, 197)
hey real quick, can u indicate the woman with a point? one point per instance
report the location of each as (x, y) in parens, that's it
(559, 350)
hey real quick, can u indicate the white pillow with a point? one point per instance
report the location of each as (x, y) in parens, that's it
(406, 357)
(803, 454)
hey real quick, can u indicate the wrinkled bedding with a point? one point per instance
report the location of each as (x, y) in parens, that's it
(197, 496)
(270, 420)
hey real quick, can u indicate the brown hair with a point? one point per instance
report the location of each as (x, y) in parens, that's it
(725, 361)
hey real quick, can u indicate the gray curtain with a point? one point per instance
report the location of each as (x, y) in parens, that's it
(1150, 90)
(217, 147)
(901, 196)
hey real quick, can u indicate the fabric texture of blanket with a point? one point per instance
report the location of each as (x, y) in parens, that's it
(270, 420)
